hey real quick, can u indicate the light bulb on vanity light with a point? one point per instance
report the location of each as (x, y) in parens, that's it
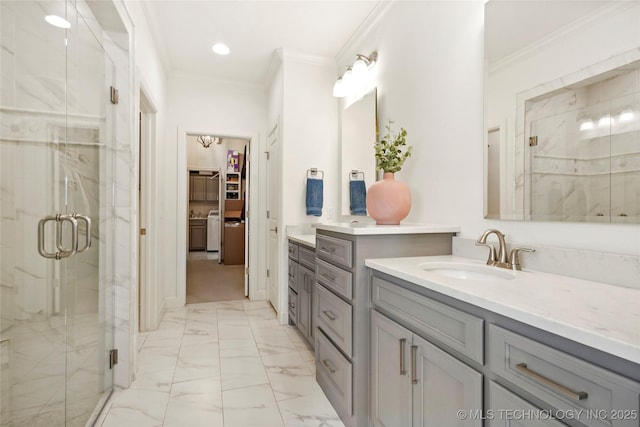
(347, 79)
(339, 89)
(360, 69)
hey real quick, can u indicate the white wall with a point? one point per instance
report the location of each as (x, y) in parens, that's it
(310, 135)
(148, 77)
(199, 105)
(300, 95)
(430, 81)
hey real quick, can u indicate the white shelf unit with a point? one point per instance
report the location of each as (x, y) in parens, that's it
(232, 186)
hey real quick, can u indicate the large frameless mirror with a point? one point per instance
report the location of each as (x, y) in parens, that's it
(562, 111)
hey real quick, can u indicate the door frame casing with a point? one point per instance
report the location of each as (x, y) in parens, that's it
(151, 306)
(257, 291)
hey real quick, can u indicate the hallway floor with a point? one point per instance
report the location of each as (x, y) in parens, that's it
(222, 364)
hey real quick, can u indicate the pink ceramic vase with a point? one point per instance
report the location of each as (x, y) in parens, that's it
(388, 200)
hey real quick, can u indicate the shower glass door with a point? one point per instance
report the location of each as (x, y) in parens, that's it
(56, 151)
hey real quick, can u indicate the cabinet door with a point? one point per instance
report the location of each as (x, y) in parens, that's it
(211, 190)
(305, 281)
(198, 187)
(443, 386)
(197, 238)
(390, 373)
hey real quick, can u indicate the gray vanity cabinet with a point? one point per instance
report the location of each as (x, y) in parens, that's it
(301, 281)
(306, 281)
(414, 383)
(502, 401)
(391, 388)
(343, 301)
(459, 357)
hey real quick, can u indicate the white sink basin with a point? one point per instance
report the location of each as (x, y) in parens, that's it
(463, 271)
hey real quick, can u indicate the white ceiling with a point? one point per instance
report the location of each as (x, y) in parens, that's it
(185, 31)
(511, 25)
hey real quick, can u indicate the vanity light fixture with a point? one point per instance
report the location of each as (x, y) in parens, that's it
(355, 75)
(207, 140)
(57, 21)
(221, 49)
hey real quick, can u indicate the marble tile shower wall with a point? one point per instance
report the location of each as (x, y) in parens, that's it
(583, 168)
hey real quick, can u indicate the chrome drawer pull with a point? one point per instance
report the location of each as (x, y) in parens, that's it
(330, 314)
(328, 365)
(414, 356)
(330, 250)
(575, 395)
(403, 369)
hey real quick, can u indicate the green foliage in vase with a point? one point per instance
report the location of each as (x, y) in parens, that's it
(392, 150)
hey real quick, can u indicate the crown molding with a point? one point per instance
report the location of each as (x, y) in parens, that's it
(345, 54)
(605, 11)
(158, 38)
(289, 55)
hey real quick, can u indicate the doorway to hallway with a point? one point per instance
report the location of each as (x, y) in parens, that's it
(217, 224)
(210, 281)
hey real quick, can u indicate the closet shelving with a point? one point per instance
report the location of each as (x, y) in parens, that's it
(232, 186)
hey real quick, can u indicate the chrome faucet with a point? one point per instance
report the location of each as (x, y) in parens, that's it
(500, 260)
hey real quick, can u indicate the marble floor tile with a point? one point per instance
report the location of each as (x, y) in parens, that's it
(227, 364)
(251, 406)
(238, 348)
(133, 407)
(240, 372)
(195, 403)
(253, 305)
(198, 361)
(309, 410)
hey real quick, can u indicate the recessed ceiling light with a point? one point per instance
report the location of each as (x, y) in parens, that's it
(57, 21)
(221, 49)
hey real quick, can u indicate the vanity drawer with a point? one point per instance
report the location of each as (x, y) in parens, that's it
(333, 373)
(333, 316)
(293, 251)
(454, 328)
(337, 251)
(307, 257)
(293, 306)
(502, 402)
(563, 381)
(334, 278)
(293, 275)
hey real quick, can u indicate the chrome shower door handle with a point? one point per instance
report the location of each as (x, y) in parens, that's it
(87, 221)
(62, 252)
(41, 249)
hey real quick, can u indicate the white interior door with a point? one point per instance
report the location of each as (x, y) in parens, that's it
(247, 217)
(273, 215)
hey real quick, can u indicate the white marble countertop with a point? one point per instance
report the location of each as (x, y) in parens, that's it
(370, 228)
(305, 239)
(601, 316)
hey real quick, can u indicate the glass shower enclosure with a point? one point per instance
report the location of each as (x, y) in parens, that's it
(56, 215)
